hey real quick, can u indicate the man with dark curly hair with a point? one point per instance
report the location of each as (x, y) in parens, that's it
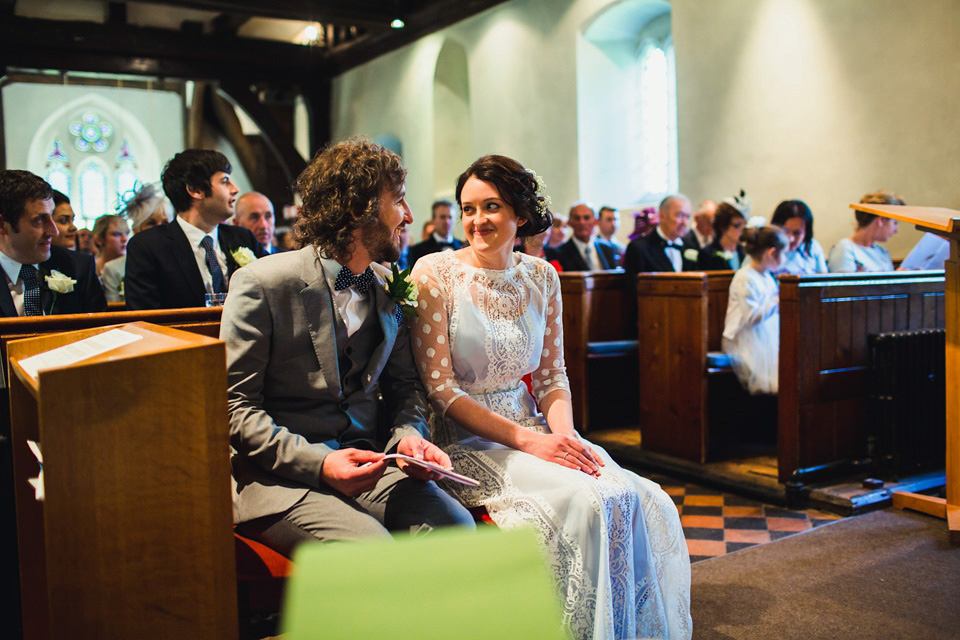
(313, 339)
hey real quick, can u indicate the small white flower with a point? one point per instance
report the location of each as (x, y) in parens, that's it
(243, 256)
(691, 255)
(59, 282)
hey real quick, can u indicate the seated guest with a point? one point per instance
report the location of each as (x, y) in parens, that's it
(701, 234)
(110, 233)
(63, 218)
(861, 252)
(803, 255)
(426, 231)
(85, 242)
(41, 279)
(441, 238)
(725, 252)
(148, 208)
(175, 265)
(663, 249)
(643, 222)
(582, 252)
(751, 331)
(284, 236)
(255, 212)
(313, 340)
(536, 246)
(608, 222)
(558, 232)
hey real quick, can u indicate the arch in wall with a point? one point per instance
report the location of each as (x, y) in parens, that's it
(127, 128)
(616, 51)
(452, 124)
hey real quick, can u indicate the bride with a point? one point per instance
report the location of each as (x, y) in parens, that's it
(488, 316)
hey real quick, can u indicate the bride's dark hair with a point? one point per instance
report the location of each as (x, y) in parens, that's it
(518, 187)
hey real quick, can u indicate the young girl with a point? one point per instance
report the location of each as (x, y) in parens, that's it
(751, 333)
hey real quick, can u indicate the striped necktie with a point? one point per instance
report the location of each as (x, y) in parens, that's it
(213, 265)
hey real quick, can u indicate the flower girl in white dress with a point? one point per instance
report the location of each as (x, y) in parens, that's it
(488, 316)
(751, 332)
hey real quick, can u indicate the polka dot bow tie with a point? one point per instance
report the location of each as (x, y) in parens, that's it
(361, 283)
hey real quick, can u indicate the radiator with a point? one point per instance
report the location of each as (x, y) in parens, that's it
(907, 400)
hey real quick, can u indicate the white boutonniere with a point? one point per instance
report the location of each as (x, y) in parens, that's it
(691, 255)
(403, 292)
(58, 283)
(243, 256)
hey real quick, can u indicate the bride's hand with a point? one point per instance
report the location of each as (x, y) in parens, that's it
(563, 450)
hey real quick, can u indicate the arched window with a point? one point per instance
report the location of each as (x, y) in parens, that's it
(628, 145)
(58, 169)
(654, 134)
(94, 197)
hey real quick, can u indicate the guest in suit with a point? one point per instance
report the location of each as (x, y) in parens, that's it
(582, 252)
(312, 338)
(254, 211)
(174, 266)
(608, 222)
(725, 252)
(63, 217)
(41, 279)
(441, 238)
(702, 232)
(148, 208)
(663, 249)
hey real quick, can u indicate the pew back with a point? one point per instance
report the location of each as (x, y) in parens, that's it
(201, 320)
(679, 319)
(596, 324)
(825, 322)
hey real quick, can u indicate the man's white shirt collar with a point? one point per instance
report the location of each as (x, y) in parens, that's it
(676, 244)
(11, 267)
(196, 235)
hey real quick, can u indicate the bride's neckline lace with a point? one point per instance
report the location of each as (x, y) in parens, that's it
(517, 259)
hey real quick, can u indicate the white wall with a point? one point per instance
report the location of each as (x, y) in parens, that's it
(821, 100)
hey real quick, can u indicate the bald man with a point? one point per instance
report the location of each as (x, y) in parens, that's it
(254, 211)
(702, 231)
(664, 248)
(583, 252)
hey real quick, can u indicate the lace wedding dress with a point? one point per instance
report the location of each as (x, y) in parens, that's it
(614, 542)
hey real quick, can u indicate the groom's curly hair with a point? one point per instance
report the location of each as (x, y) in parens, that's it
(340, 191)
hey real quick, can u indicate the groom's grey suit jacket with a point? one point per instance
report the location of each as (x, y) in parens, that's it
(286, 397)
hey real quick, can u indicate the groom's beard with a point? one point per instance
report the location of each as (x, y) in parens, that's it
(382, 243)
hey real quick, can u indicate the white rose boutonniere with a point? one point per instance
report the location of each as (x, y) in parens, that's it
(58, 283)
(243, 256)
(691, 255)
(403, 292)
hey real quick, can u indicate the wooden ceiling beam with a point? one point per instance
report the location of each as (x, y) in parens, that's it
(428, 18)
(84, 46)
(368, 13)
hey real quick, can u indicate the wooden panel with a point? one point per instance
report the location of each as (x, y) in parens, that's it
(718, 291)
(137, 518)
(672, 350)
(824, 324)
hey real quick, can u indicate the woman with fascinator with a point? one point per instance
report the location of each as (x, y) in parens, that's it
(147, 208)
(486, 317)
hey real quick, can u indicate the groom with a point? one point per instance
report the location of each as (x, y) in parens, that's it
(312, 340)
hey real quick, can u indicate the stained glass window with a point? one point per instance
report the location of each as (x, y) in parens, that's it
(91, 133)
(58, 169)
(125, 173)
(94, 199)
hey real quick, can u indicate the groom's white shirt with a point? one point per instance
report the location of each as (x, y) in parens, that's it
(351, 305)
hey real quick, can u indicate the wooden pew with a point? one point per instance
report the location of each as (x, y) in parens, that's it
(680, 320)
(599, 343)
(202, 320)
(825, 322)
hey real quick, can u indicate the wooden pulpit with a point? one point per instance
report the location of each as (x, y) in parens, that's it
(133, 538)
(946, 224)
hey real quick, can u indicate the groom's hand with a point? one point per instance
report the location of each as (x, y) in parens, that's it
(417, 447)
(352, 471)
